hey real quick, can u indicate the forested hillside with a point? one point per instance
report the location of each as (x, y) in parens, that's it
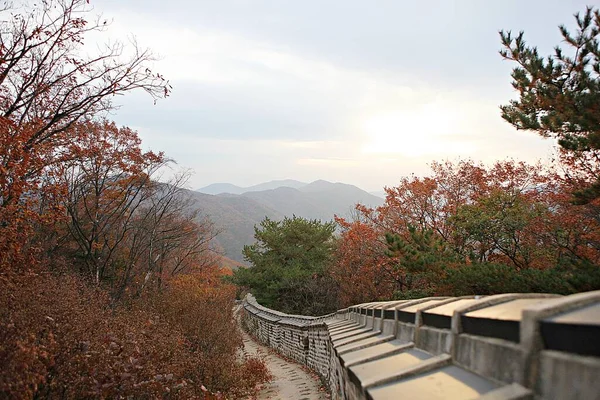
(235, 216)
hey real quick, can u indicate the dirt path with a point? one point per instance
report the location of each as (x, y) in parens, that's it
(290, 381)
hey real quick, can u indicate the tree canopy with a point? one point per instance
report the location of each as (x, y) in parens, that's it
(469, 229)
(108, 282)
(559, 95)
(289, 260)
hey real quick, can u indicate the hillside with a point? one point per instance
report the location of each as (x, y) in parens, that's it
(288, 201)
(290, 183)
(317, 200)
(237, 214)
(234, 217)
(218, 188)
(338, 198)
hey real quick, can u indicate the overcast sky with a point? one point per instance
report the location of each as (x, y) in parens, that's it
(361, 92)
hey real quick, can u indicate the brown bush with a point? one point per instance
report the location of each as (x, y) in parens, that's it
(201, 307)
(59, 338)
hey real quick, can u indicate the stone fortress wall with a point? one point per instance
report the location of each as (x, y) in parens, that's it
(508, 346)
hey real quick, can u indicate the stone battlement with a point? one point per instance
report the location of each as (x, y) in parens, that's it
(508, 346)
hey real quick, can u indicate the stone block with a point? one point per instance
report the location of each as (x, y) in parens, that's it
(568, 376)
(497, 359)
(373, 352)
(447, 383)
(360, 344)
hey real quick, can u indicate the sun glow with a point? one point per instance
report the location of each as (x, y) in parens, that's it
(417, 132)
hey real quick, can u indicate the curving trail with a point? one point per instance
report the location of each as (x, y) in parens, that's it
(290, 381)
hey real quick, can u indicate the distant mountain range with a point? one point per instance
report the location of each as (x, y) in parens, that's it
(219, 188)
(236, 210)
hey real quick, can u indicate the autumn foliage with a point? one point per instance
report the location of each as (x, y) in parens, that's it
(361, 267)
(108, 284)
(180, 343)
(447, 232)
(510, 227)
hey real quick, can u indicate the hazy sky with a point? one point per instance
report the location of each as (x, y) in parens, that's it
(361, 92)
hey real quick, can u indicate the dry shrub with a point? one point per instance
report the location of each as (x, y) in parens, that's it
(201, 307)
(60, 338)
(26, 344)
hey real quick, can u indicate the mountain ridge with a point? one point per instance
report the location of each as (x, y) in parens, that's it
(224, 187)
(236, 214)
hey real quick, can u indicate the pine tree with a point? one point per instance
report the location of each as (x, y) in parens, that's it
(289, 262)
(559, 96)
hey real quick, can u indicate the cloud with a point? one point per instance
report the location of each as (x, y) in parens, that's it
(329, 162)
(337, 90)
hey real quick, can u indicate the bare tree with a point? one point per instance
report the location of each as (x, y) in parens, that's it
(46, 81)
(108, 179)
(126, 227)
(171, 237)
(47, 85)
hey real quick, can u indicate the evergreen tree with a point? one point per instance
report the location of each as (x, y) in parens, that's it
(420, 259)
(559, 96)
(289, 263)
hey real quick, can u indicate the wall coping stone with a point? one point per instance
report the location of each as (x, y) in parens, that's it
(327, 341)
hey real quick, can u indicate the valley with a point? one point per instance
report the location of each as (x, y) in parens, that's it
(236, 210)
